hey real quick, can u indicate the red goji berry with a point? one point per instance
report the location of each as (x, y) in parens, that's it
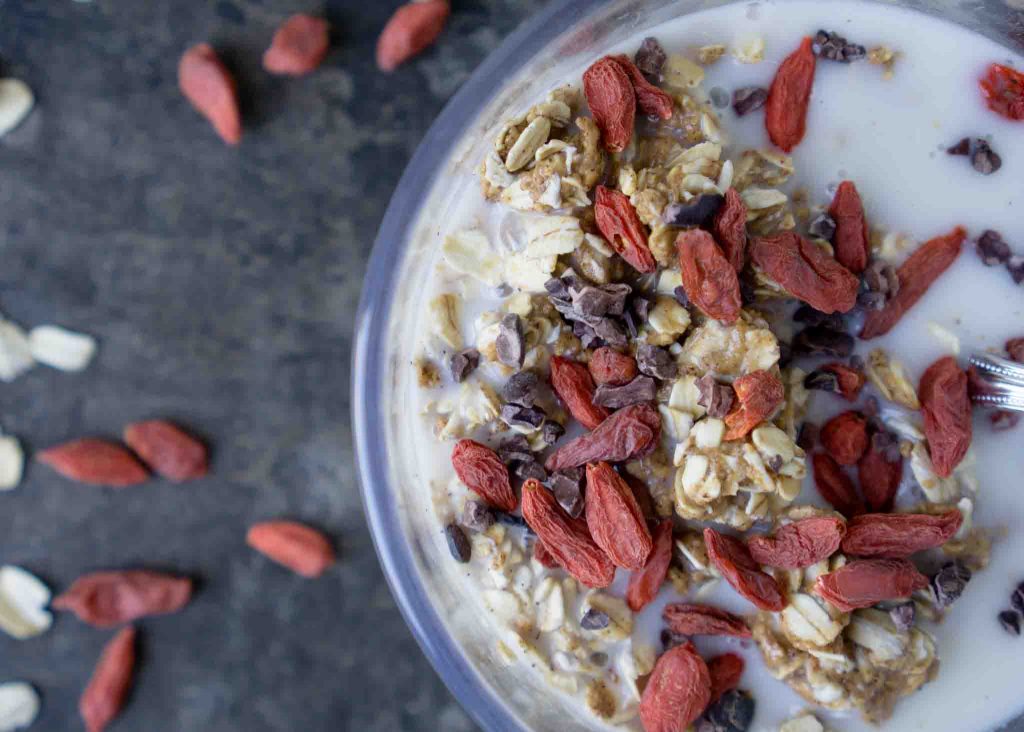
(799, 544)
(835, 486)
(575, 387)
(614, 518)
(629, 433)
(898, 535)
(759, 394)
(851, 238)
(651, 100)
(946, 407)
(726, 671)
(730, 229)
(732, 559)
(880, 476)
(608, 366)
(612, 102)
(1003, 89)
(412, 28)
(806, 272)
(95, 462)
(866, 582)
(677, 691)
(103, 698)
(542, 555)
(785, 115)
(106, 599)
(845, 437)
(480, 468)
(708, 278)
(850, 380)
(617, 220)
(645, 583)
(916, 275)
(693, 619)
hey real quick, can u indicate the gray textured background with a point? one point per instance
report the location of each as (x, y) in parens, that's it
(222, 285)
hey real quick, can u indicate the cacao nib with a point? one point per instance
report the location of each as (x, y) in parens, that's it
(823, 227)
(716, 398)
(586, 334)
(640, 389)
(808, 436)
(551, 431)
(522, 388)
(611, 333)
(984, 159)
(992, 249)
(593, 303)
(732, 712)
(1015, 266)
(463, 364)
(515, 449)
(477, 516)
(1003, 420)
(679, 293)
(670, 639)
(749, 99)
(949, 583)
(594, 619)
(809, 316)
(510, 519)
(640, 307)
(1010, 620)
(903, 616)
(881, 282)
(516, 415)
(695, 213)
(650, 59)
(833, 47)
(630, 321)
(1017, 598)
(655, 361)
(531, 470)
(509, 343)
(961, 148)
(458, 544)
(567, 487)
(821, 341)
(821, 380)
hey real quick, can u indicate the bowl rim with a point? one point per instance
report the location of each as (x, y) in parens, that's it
(367, 381)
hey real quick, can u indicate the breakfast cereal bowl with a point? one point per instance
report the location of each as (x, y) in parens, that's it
(524, 646)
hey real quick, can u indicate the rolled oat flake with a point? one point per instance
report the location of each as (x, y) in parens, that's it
(509, 343)
(19, 705)
(458, 544)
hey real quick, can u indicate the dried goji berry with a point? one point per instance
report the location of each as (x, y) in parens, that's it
(608, 366)
(946, 407)
(298, 46)
(867, 582)
(211, 89)
(835, 486)
(96, 462)
(845, 437)
(480, 468)
(850, 241)
(880, 474)
(1003, 89)
(806, 271)
(898, 535)
(799, 544)
(612, 102)
(677, 691)
(730, 229)
(412, 28)
(651, 100)
(617, 220)
(568, 541)
(725, 671)
(301, 549)
(542, 555)
(849, 379)
(759, 394)
(167, 449)
(645, 583)
(575, 387)
(916, 275)
(105, 599)
(708, 278)
(108, 686)
(732, 559)
(693, 619)
(614, 518)
(629, 433)
(785, 115)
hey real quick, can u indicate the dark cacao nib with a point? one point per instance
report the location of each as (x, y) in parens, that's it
(749, 99)
(1010, 620)
(949, 583)
(903, 616)
(650, 59)
(550, 431)
(458, 544)
(477, 516)
(531, 470)
(655, 361)
(640, 389)
(823, 227)
(515, 449)
(463, 364)
(992, 249)
(833, 47)
(821, 380)
(695, 213)
(567, 487)
(516, 415)
(509, 344)
(716, 398)
(733, 712)
(522, 388)
(821, 341)
(594, 619)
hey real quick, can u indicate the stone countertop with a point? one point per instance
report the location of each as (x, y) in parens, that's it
(221, 284)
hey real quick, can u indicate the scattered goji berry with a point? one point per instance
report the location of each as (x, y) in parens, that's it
(946, 407)
(708, 278)
(565, 539)
(608, 366)
(849, 379)
(106, 599)
(298, 46)
(211, 89)
(725, 671)
(542, 555)
(693, 619)
(732, 559)
(835, 486)
(612, 103)
(645, 583)
(651, 100)
(845, 437)
(806, 272)
(617, 220)
(95, 462)
(916, 275)
(785, 115)
(898, 535)
(104, 696)
(575, 387)
(480, 468)
(629, 433)
(880, 474)
(412, 28)
(300, 548)
(614, 518)
(866, 582)
(759, 394)
(1003, 89)
(850, 241)
(730, 229)
(677, 691)
(167, 449)
(799, 544)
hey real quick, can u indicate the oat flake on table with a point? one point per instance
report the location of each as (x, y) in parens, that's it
(23, 601)
(19, 705)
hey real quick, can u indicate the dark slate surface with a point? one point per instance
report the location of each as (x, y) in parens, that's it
(222, 284)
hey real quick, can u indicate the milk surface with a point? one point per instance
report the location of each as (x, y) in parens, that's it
(888, 136)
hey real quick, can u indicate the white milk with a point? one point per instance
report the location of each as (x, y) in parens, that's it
(889, 137)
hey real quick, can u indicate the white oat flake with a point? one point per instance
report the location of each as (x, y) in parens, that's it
(61, 348)
(23, 601)
(19, 705)
(12, 462)
(15, 352)
(16, 101)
